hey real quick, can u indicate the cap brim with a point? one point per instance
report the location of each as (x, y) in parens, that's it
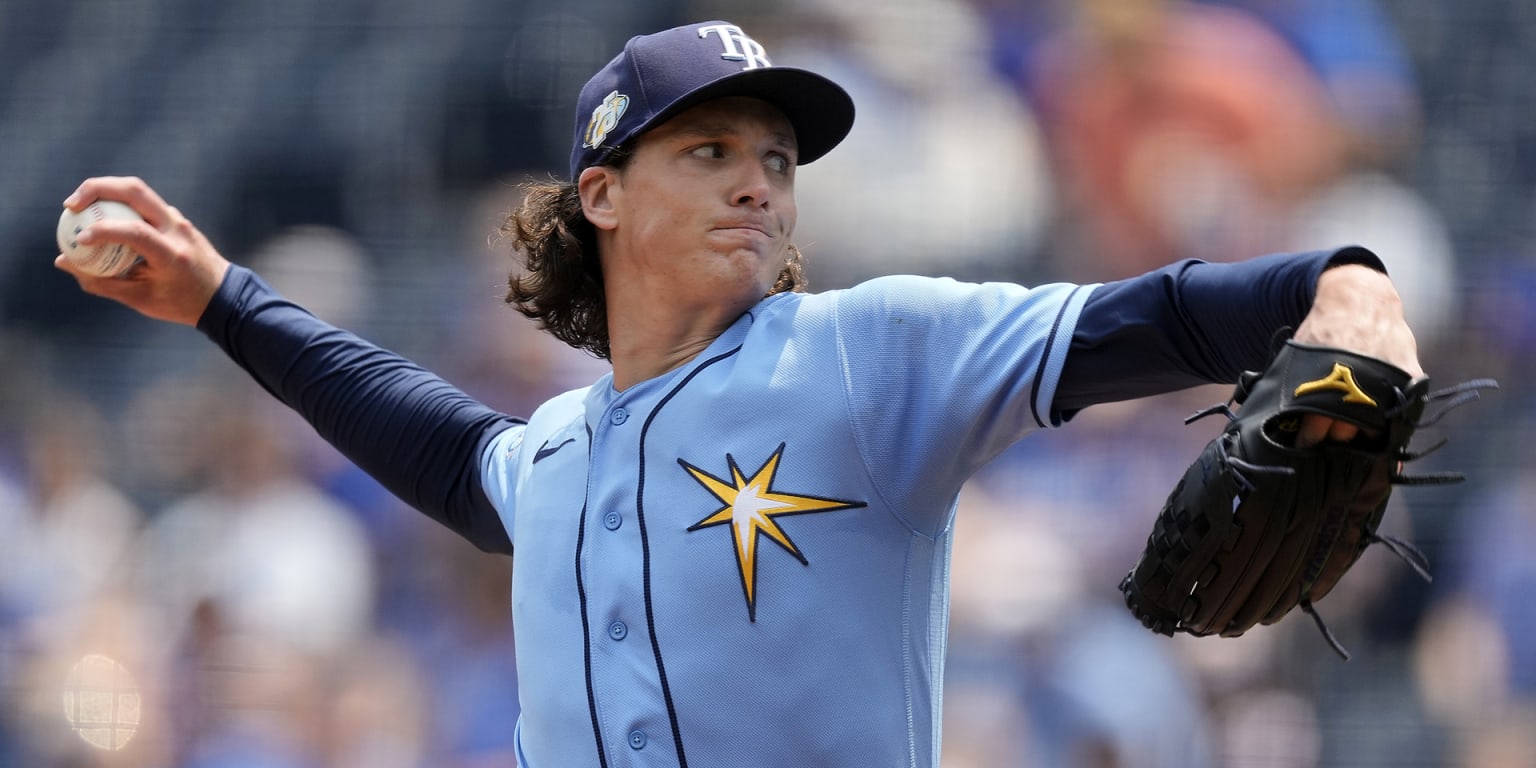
(819, 109)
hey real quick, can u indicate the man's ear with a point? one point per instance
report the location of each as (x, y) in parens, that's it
(600, 189)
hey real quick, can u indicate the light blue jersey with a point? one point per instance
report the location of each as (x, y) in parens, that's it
(745, 561)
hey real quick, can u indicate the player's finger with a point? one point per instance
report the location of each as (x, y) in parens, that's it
(65, 265)
(1342, 432)
(173, 220)
(131, 190)
(149, 243)
(105, 286)
(1314, 429)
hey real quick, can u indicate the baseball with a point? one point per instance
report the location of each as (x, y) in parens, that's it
(104, 259)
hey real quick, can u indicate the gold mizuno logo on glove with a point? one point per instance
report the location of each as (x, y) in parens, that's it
(1341, 379)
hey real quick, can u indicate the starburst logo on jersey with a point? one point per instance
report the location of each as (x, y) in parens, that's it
(1341, 379)
(751, 510)
(604, 118)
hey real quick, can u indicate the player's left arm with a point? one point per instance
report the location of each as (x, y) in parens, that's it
(1193, 323)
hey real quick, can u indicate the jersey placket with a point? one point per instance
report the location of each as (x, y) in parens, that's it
(623, 677)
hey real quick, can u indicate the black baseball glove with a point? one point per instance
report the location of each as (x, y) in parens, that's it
(1258, 526)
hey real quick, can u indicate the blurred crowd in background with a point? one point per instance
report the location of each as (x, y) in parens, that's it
(189, 578)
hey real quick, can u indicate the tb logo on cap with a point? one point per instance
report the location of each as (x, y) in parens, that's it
(738, 47)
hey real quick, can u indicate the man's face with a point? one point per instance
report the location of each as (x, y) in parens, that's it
(706, 203)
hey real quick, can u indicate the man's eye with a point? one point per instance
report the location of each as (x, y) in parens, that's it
(707, 151)
(779, 163)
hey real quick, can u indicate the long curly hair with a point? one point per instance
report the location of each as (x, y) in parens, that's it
(561, 284)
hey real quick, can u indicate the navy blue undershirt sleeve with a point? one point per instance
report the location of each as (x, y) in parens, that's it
(1189, 323)
(413, 432)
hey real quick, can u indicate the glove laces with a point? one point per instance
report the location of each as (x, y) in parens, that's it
(1448, 399)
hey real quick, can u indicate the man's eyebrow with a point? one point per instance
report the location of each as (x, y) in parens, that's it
(711, 129)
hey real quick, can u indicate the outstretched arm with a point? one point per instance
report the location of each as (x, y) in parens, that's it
(409, 429)
(1193, 323)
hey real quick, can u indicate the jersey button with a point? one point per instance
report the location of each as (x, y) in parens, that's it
(618, 630)
(637, 739)
(612, 521)
(619, 416)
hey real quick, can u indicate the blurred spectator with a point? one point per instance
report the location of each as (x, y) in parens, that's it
(1494, 573)
(1112, 469)
(1462, 662)
(258, 582)
(1032, 635)
(383, 716)
(246, 703)
(1189, 129)
(967, 159)
(1374, 209)
(458, 624)
(1504, 741)
(1016, 29)
(1357, 54)
(65, 543)
(330, 273)
(985, 722)
(323, 269)
(279, 559)
(1476, 659)
(1267, 728)
(1178, 130)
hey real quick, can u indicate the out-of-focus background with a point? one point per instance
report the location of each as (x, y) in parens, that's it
(189, 578)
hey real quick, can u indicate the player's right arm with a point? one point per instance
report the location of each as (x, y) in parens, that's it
(413, 432)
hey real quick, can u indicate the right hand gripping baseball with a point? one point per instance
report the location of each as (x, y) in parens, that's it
(180, 271)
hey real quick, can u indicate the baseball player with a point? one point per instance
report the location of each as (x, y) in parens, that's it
(733, 550)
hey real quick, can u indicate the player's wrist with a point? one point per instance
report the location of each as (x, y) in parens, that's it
(1356, 255)
(1359, 309)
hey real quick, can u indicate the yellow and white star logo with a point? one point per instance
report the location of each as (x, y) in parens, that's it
(750, 506)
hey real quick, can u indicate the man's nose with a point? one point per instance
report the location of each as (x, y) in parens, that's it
(752, 185)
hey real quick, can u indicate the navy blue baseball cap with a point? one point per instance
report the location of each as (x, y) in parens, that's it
(659, 75)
